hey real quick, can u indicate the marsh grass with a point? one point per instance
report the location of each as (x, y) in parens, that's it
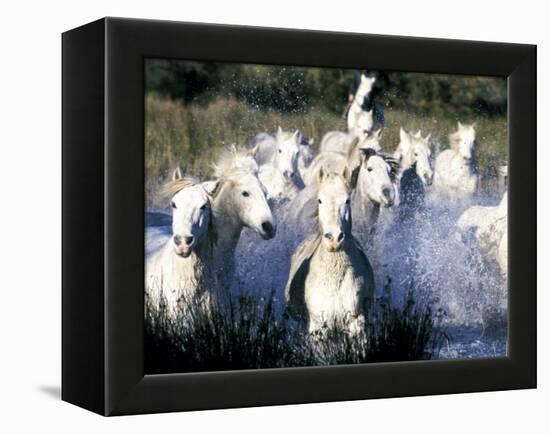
(247, 333)
(192, 136)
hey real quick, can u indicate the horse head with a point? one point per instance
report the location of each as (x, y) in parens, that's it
(334, 211)
(190, 213)
(415, 150)
(286, 155)
(463, 140)
(376, 177)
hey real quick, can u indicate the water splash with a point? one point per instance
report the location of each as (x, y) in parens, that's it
(426, 255)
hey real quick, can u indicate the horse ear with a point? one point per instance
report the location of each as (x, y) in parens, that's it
(296, 136)
(311, 141)
(350, 177)
(474, 126)
(279, 130)
(211, 187)
(176, 174)
(233, 148)
(403, 135)
(254, 151)
(418, 134)
(427, 139)
(459, 125)
(378, 133)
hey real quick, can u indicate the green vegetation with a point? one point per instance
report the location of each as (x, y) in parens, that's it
(247, 333)
(192, 109)
(192, 135)
(291, 89)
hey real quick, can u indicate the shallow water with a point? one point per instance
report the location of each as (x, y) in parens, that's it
(425, 255)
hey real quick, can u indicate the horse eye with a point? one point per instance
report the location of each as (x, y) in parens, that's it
(347, 201)
(280, 151)
(319, 200)
(369, 169)
(173, 204)
(203, 207)
(246, 193)
(416, 154)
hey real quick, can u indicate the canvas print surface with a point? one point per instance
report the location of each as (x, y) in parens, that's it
(313, 216)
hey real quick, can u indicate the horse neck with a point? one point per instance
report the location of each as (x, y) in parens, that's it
(354, 159)
(363, 210)
(466, 168)
(335, 261)
(361, 204)
(177, 269)
(361, 96)
(226, 225)
(407, 161)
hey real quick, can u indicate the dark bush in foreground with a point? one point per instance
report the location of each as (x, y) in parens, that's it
(247, 333)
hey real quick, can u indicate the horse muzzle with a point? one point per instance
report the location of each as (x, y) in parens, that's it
(334, 243)
(388, 197)
(268, 230)
(184, 253)
(183, 245)
(428, 179)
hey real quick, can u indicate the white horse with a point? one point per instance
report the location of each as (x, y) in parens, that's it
(414, 156)
(238, 200)
(456, 175)
(490, 228)
(351, 149)
(182, 268)
(278, 158)
(374, 190)
(305, 156)
(331, 281)
(414, 150)
(357, 118)
(372, 178)
(338, 141)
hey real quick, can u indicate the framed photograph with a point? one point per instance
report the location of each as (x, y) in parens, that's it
(262, 216)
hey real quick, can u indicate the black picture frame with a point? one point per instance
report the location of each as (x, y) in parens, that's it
(103, 202)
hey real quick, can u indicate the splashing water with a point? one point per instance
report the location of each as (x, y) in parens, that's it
(426, 255)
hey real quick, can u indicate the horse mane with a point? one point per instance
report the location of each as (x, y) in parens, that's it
(173, 187)
(394, 164)
(232, 159)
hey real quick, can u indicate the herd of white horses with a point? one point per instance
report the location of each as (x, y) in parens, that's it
(334, 202)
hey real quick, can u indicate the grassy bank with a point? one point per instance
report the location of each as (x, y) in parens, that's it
(247, 333)
(191, 136)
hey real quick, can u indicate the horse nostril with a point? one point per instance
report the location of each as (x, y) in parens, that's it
(177, 240)
(387, 193)
(267, 227)
(328, 236)
(188, 240)
(340, 237)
